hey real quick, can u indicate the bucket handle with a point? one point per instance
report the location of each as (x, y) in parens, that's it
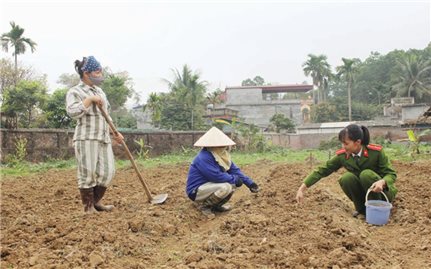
(368, 192)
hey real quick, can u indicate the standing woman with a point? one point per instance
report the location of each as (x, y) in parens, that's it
(367, 168)
(93, 149)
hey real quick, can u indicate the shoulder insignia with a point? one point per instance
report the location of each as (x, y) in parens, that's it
(340, 151)
(375, 147)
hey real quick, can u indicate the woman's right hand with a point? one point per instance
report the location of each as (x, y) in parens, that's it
(300, 193)
(93, 99)
(97, 100)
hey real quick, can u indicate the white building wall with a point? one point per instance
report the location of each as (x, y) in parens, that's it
(413, 112)
(243, 96)
(254, 110)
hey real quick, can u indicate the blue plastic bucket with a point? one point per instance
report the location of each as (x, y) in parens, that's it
(377, 211)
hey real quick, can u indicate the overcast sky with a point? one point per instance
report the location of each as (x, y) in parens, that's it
(226, 41)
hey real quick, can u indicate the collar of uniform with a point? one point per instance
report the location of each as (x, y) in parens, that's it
(359, 154)
(363, 150)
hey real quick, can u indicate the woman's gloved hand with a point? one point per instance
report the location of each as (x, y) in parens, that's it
(238, 182)
(254, 188)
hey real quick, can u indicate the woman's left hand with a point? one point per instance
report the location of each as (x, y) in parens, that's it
(118, 137)
(378, 186)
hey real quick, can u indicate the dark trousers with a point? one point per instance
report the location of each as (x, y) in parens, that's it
(356, 188)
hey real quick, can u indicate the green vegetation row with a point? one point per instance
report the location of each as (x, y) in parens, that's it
(401, 152)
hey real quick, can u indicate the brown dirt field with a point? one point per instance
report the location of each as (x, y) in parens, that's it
(43, 226)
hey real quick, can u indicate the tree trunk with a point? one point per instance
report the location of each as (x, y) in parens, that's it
(15, 76)
(16, 64)
(409, 90)
(314, 96)
(349, 99)
(29, 118)
(192, 120)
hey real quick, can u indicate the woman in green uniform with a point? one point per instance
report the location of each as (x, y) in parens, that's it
(367, 167)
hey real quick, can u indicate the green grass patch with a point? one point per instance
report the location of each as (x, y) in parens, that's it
(25, 168)
(394, 151)
(279, 155)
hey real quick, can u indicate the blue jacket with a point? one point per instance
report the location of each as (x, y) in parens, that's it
(204, 168)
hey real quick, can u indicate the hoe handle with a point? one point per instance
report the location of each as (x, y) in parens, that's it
(114, 130)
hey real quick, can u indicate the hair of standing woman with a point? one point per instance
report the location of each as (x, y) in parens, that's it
(78, 66)
(355, 132)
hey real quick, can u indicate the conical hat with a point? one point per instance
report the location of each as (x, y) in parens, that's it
(214, 138)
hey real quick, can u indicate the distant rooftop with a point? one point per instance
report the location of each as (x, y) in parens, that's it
(276, 88)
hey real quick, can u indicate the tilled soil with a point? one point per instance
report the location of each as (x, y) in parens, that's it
(43, 226)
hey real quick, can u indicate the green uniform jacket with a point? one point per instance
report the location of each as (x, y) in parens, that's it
(373, 157)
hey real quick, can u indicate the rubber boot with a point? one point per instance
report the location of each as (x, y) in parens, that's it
(87, 197)
(221, 206)
(99, 192)
(206, 210)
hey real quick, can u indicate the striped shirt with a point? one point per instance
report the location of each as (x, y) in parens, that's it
(91, 125)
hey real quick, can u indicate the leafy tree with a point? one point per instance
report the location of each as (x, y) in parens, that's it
(21, 101)
(117, 89)
(68, 80)
(250, 137)
(282, 123)
(332, 143)
(413, 78)
(324, 112)
(320, 71)
(364, 111)
(8, 75)
(327, 76)
(154, 104)
(372, 84)
(257, 81)
(189, 90)
(19, 43)
(214, 97)
(175, 115)
(124, 119)
(55, 110)
(348, 71)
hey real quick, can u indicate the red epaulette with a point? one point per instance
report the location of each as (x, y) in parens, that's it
(340, 151)
(375, 147)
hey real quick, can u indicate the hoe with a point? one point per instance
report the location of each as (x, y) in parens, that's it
(158, 199)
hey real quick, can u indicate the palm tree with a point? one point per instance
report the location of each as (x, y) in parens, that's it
(154, 103)
(327, 76)
(348, 71)
(188, 87)
(318, 68)
(214, 97)
(413, 78)
(15, 39)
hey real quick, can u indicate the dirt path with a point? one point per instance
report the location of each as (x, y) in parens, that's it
(42, 225)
